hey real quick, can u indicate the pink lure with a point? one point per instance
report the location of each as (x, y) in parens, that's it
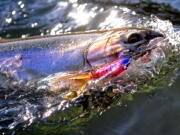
(112, 69)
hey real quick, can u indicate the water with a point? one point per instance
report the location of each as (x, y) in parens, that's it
(26, 18)
(147, 113)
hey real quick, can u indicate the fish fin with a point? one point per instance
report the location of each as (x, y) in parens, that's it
(75, 83)
(80, 76)
(76, 93)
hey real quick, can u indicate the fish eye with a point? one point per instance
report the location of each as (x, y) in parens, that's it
(133, 38)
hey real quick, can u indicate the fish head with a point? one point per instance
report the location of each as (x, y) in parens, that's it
(145, 48)
(147, 51)
(142, 46)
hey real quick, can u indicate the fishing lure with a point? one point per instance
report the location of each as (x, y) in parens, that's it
(112, 69)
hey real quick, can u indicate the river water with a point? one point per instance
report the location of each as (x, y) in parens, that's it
(154, 113)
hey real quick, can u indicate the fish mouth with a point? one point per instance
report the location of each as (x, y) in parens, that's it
(143, 52)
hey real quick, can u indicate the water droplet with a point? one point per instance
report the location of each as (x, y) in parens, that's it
(34, 24)
(13, 12)
(21, 4)
(24, 36)
(8, 20)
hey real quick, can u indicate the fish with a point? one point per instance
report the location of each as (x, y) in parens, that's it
(42, 75)
(107, 57)
(78, 59)
(47, 55)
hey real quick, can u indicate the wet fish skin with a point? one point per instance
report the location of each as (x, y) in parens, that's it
(33, 58)
(44, 56)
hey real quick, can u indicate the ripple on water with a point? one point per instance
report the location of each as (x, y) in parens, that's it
(26, 18)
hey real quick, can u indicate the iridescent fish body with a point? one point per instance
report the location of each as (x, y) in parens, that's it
(73, 60)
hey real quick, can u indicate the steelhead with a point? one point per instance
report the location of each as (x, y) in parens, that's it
(73, 56)
(39, 76)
